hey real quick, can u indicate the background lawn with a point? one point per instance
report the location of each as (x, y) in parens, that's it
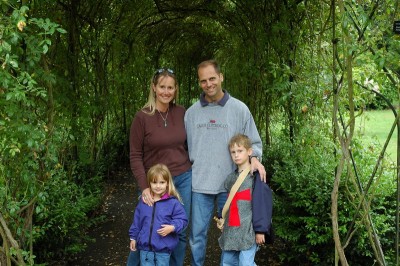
(375, 126)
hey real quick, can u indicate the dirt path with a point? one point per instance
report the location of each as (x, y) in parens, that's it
(111, 236)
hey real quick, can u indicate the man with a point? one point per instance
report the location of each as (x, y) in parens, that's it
(210, 123)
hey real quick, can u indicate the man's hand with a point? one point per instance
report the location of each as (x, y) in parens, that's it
(166, 229)
(256, 165)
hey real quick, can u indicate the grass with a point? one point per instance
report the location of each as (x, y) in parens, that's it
(376, 126)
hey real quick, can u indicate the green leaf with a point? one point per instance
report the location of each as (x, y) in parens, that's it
(14, 63)
(45, 48)
(6, 46)
(61, 30)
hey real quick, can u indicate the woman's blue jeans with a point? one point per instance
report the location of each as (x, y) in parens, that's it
(183, 183)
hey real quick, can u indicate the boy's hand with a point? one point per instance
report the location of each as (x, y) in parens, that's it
(220, 223)
(166, 229)
(260, 239)
(132, 245)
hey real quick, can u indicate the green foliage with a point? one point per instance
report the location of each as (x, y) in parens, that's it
(302, 180)
(62, 215)
(302, 184)
(381, 199)
(389, 92)
(38, 200)
(370, 81)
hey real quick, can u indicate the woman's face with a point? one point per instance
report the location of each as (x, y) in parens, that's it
(165, 90)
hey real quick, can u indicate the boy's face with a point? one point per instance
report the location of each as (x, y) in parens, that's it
(240, 155)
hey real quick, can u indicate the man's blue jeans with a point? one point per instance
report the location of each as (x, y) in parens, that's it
(203, 206)
(183, 183)
(239, 258)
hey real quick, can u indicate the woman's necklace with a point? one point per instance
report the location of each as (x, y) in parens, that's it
(164, 119)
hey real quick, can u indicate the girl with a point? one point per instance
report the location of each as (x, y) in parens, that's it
(154, 231)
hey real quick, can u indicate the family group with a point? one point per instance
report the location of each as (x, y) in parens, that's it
(188, 163)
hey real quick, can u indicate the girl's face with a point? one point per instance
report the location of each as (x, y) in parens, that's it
(240, 155)
(159, 186)
(165, 90)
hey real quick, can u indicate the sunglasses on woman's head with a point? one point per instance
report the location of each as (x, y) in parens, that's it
(161, 70)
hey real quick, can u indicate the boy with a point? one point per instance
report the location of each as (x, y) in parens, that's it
(246, 222)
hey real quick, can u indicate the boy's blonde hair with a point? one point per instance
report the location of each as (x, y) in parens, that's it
(161, 170)
(240, 140)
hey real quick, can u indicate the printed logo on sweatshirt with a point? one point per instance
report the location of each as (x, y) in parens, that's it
(212, 124)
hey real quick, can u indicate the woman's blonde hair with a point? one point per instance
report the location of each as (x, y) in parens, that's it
(150, 106)
(161, 170)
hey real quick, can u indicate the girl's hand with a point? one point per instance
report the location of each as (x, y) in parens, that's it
(147, 198)
(166, 229)
(260, 239)
(132, 245)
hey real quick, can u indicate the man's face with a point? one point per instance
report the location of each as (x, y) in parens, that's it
(211, 83)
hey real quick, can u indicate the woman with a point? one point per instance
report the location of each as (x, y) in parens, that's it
(158, 135)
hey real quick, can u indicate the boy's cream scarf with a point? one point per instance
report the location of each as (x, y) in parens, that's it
(232, 192)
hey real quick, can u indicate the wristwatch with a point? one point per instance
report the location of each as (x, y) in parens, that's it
(255, 156)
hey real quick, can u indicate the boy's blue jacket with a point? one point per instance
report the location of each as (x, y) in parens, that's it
(148, 219)
(262, 206)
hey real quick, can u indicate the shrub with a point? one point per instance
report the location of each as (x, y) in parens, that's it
(302, 181)
(61, 219)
